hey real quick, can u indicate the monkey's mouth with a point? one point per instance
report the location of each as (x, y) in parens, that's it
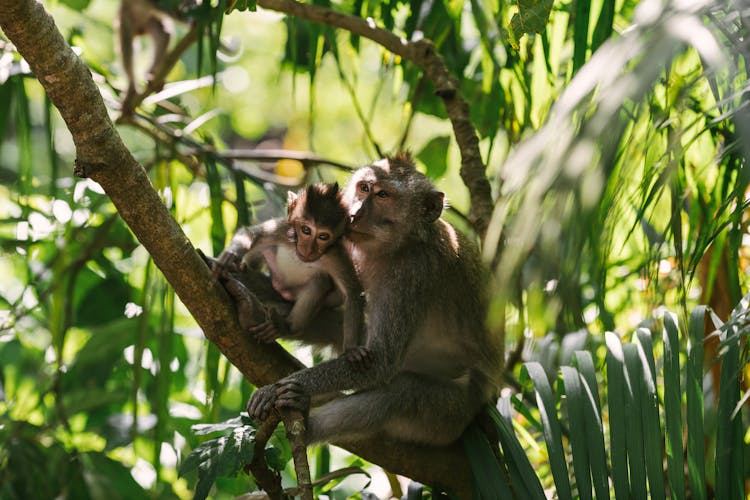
(307, 258)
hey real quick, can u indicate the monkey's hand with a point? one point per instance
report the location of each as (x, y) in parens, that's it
(290, 395)
(228, 261)
(358, 357)
(261, 402)
(283, 395)
(274, 326)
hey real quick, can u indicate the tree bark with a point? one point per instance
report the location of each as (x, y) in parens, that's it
(103, 157)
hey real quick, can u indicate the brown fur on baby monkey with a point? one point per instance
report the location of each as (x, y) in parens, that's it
(308, 265)
(434, 362)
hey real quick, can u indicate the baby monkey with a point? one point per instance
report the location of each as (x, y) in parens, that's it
(308, 265)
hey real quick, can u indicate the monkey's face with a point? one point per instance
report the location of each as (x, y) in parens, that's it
(389, 202)
(312, 240)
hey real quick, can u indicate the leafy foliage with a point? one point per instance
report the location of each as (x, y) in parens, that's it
(644, 413)
(613, 134)
(223, 456)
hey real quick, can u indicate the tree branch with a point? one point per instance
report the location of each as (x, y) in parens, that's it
(424, 54)
(103, 157)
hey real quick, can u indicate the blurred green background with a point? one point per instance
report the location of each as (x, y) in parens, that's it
(614, 135)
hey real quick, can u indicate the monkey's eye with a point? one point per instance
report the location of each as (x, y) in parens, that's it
(364, 187)
(324, 236)
(382, 194)
(306, 230)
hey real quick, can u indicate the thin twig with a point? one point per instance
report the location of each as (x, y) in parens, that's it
(267, 479)
(294, 422)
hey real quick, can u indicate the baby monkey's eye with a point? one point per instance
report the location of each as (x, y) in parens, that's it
(364, 187)
(324, 236)
(306, 230)
(382, 194)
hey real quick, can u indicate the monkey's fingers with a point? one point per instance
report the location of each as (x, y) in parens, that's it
(291, 396)
(227, 262)
(261, 402)
(264, 332)
(360, 357)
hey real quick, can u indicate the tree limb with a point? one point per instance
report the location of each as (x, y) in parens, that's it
(103, 157)
(424, 54)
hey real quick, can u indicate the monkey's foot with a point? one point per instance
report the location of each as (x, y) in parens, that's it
(359, 357)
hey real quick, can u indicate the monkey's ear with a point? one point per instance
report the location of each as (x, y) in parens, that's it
(433, 205)
(291, 201)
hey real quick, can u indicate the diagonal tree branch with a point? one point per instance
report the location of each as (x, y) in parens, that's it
(103, 157)
(424, 54)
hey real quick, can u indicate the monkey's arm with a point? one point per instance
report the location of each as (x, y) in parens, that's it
(341, 269)
(386, 344)
(248, 238)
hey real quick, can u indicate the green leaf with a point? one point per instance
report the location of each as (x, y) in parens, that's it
(581, 15)
(576, 406)
(531, 18)
(673, 408)
(594, 425)
(652, 443)
(633, 412)
(729, 430)
(95, 361)
(218, 234)
(604, 24)
(618, 424)
(222, 456)
(454, 8)
(552, 435)
(694, 390)
(241, 5)
(489, 477)
(524, 480)
(435, 156)
(243, 213)
(106, 478)
(77, 5)
(232, 423)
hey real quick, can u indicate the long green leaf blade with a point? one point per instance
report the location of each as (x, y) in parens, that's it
(524, 480)
(577, 422)
(603, 28)
(594, 425)
(617, 422)
(694, 390)
(652, 443)
(673, 408)
(729, 433)
(489, 478)
(633, 412)
(551, 425)
(581, 13)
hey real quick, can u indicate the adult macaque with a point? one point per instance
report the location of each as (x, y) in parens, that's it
(308, 265)
(433, 361)
(137, 18)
